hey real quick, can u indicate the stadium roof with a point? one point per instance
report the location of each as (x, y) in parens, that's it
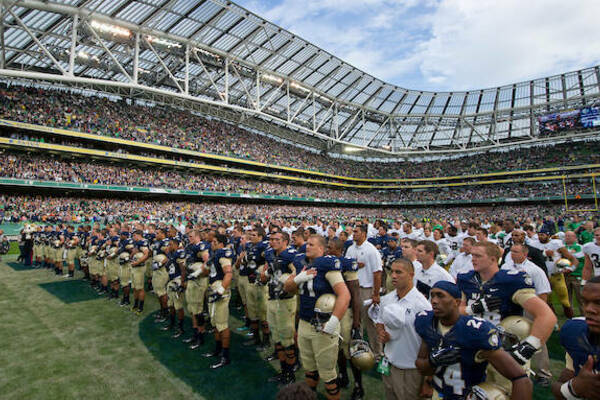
(217, 53)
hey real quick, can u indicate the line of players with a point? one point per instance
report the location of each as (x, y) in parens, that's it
(201, 265)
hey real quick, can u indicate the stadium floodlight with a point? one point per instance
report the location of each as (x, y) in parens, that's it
(352, 149)
(271, 79)
(111, 30)
(167, 44)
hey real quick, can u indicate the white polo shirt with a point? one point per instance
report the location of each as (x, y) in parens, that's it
(462, 264)
(398, 317)
(426, 278)
(369, 255)
(538, 276)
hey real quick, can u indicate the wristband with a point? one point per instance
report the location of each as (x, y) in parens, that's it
(566, 389)
(519, 377)
(535, 342)
(583, 282)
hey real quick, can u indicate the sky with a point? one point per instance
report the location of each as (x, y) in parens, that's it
(446, 45)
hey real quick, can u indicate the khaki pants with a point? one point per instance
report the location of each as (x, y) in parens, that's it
(160, 278)
(318, 351)
(281, 316)
(219, 311)
(195, 293)
(402, 384)
(257, 302)
(137, 277)
(243, 288)
(366, 322)
(175, 298)
(125, 274)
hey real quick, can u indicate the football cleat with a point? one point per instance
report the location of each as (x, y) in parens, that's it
(223, 362)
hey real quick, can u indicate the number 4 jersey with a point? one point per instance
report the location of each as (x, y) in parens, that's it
(470, 335)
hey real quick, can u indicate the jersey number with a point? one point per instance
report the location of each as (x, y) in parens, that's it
(452, 377)
(307, 289)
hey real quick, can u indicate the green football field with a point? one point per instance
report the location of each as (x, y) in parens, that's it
(60, 340)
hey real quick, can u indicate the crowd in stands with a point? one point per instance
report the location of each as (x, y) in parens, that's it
(67, 209)
(34, 166)
(181, 129)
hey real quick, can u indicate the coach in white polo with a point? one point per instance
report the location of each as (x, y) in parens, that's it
(396, 329)
(430, 272)
(369, 279)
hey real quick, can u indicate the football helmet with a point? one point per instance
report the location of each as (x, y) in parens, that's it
(361, 355)
(159, 261)
(276, 286)
(513, 329)
(486, 391)
(563, 264)
(123, 258)
(440, 259)
(323, 309)
(56, 244)
(194, 270)
(137, 256)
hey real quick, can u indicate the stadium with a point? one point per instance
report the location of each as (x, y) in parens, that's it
(131, 129)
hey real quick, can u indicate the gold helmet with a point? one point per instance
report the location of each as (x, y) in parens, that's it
(129, 246)
(112, 252)
(158, 261)
(486, 391)
(93, 250)
(323, 309)
(563, 264)
(440, 259)
(56, 243)
(513, 329)
(361, 355)
(123, 258)
(138, 256)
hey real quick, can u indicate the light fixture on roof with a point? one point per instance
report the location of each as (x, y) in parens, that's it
(109, 29)
(271, 79)
(297, 86)
(352, 149)
(160, 42)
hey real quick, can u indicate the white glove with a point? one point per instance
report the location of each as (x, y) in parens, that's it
(221, 290)
(331, 325)
(303, 277)
(195, 274)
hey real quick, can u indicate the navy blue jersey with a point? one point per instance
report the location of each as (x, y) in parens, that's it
(575, 338)
(390, 255)
(503, 284)
(310, 291)
(173, 266)
(277, 265)
(216, 269)
(149, 237)
(140, 244)
(348, 265)
(255, 254)
(301, 249)
(159, 246)
(83, 237)
(470, 335)
(194, 252)
(124, 243)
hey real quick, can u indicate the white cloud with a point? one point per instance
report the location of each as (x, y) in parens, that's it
(447, 44)
(478, 44)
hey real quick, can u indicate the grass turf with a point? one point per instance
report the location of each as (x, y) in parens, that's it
(60, 340)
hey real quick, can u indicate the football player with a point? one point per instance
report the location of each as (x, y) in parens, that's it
(126, 245)
(256, 292)
(350, 324)
(220, 292)
(112, 262)
(581, 339)
(160, 276)
(138, 270)
(318, 340)
(591, 250)
(554, 250)
(197, 255)
(177, 272)
(281, 306)
(494, 294)
(389, 253)
(457, 348)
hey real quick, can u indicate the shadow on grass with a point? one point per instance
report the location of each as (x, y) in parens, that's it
(245, 378)
(19, 266)
(70, 291)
